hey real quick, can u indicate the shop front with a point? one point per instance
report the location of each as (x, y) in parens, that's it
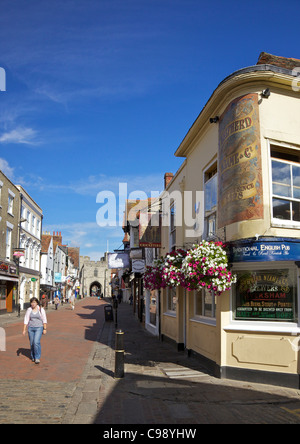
(8, 287)
(262, 332)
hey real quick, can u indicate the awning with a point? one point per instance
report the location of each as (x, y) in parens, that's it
(8, 278)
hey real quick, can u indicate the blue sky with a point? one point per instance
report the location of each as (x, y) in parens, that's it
(100, 92)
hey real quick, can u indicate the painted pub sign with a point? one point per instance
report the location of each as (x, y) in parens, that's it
(240, 172)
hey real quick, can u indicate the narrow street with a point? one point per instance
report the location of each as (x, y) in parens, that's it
(75, 384)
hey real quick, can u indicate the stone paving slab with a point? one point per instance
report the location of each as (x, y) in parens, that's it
(75, 382)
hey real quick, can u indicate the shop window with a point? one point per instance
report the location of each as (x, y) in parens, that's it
(285, 164)
(266, 294)
(211, 195)
(2, 297)
(205, 304)
(171, 299)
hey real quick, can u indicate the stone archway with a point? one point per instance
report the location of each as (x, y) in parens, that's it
(95, 289)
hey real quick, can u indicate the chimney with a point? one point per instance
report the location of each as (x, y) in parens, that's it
(168, 177)
(57, 237)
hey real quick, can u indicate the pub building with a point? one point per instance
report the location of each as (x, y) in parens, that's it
(243, 153)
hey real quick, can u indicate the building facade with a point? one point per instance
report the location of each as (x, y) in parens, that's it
(242, 156)
(9, 240)
(31, 217)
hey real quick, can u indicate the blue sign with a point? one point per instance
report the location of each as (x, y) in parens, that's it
(57, 277)
(277, 249)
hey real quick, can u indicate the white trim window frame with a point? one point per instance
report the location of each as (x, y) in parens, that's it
(9, 229)
(172, 231)
(210, 187)
(10, 203)
(201, 314)
(171, 301)
(284, 185)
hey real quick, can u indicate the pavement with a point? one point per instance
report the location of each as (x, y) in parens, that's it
(75, 383)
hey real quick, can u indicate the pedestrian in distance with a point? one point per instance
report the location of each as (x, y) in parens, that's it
(45, 301)
(72, 301)
(56, 302)
(36, 321)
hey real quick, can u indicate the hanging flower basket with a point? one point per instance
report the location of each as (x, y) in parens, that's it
(153, 276)
(206, 266)
(172, 270)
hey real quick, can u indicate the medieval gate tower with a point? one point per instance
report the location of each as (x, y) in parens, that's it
(95, 277)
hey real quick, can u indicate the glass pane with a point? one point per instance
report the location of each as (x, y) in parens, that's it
(266, 295)
(296, 211)
(208, 304)
(172, 300)
(296, 182)
(281, 209)
(198, 303)
(281, 178)
(153, 306)
(211, 193)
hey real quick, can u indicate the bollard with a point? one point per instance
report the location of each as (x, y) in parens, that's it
(119, 355)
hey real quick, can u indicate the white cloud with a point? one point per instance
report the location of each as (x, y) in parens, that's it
(6, 169)
(20, 135)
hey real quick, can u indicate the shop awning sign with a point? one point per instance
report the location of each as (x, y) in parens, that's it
(262, 251)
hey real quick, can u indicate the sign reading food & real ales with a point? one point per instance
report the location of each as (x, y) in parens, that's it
(240, 173)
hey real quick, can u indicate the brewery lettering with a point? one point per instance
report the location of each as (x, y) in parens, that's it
(236, 126)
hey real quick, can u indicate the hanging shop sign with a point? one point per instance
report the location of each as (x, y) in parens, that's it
(138, 266)
(118, 260)
(57, 277)
(281, 249)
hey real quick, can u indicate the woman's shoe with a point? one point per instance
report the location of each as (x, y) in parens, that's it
(37, 361)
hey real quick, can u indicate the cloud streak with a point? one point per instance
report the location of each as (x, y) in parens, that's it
(20, 135)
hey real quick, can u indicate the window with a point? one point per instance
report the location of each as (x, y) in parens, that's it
(33, 224)
(285, 164)
(1, 185)
(10, 208)
(205, 304)
(8, 242)
(28, 220)
(38, 224)
(172, 227)
(266, 294)
(96, 272)
(171, 299)
(210, 195)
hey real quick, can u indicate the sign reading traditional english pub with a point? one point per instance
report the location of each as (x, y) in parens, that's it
(280, 249)
(240, 172)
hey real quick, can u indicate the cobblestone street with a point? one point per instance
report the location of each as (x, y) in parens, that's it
(75, 384)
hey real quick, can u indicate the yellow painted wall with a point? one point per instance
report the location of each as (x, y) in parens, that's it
(279, 121)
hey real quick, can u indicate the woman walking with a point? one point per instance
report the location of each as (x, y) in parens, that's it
(36, 320)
